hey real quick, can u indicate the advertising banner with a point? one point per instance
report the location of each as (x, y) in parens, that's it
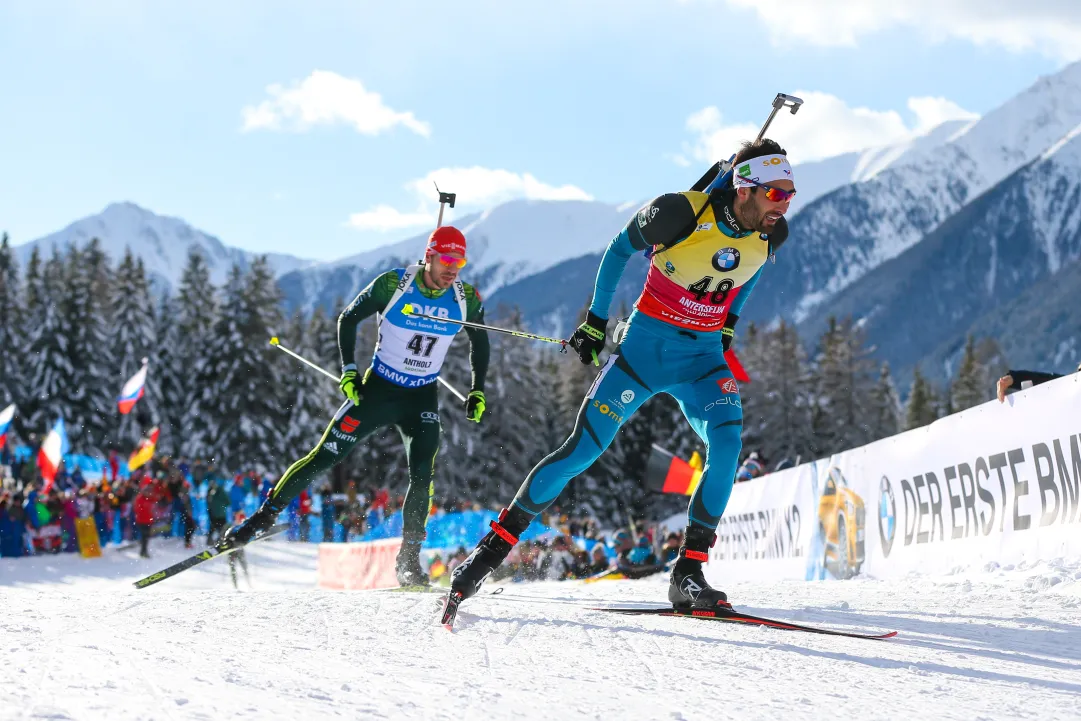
(996, 484)
(358, 566)
(86, 533)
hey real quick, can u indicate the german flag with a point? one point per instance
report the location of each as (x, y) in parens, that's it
(665, 473)
(437, 569)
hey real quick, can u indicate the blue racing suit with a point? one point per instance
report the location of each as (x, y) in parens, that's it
(703, 268)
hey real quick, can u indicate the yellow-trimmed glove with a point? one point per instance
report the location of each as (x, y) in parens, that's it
(588, 340)
(474, 406)
(350, 387)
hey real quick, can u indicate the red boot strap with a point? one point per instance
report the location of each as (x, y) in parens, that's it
(504, 533)
(695, 555)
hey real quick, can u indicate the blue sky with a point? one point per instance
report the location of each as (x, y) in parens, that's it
(316, 128)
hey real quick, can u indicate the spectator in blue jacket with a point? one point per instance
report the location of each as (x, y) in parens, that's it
(11, 527)
(265, 489)
(237, 496)
(327, 514)
(30, 508)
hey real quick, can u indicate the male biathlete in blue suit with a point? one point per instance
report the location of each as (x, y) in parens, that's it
(708, 251)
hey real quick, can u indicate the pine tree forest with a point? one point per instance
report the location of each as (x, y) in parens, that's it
(74, 326)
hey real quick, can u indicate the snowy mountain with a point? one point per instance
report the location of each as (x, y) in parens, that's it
(1007, 266)
(845, 234)
(508, 243)
(162, 242)
(820, 177)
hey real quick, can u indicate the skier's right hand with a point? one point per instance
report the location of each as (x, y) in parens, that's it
(350, 387)
(588, 340)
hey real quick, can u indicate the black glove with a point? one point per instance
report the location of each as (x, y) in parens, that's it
(588, 340)
(728, 332)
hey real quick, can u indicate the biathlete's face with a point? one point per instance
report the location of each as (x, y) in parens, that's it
(443, 268)
(758, 211)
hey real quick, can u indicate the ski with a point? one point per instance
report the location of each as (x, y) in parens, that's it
(450, 609)
(208, 554)
(733, 616)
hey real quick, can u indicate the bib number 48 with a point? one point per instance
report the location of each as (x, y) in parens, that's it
(421, 345)
(716, 297)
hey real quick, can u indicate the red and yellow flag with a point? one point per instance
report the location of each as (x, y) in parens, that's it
(145, 451)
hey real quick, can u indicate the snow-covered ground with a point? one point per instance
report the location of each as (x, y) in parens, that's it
(77, 641)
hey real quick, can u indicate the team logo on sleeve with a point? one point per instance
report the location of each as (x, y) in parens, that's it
(646, 214)
(726, 259)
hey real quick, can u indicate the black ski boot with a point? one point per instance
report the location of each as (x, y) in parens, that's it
(407, 567)
(486, 557)
(242, 534)
(688, 587)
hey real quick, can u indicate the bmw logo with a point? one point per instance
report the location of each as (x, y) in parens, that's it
(887, 516)
(726, 259)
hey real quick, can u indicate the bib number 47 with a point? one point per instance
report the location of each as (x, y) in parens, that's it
(422, 345)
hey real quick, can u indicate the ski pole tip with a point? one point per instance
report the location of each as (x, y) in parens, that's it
(274, 340)
(407, 309)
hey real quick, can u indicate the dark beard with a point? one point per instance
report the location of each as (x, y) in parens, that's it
(749, 215)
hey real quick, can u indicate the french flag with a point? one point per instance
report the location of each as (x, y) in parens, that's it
(51, 453)
(5, 420)
(133, 390)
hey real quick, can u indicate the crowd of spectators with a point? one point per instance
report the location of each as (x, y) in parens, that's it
(167, 497)
(180, 498)
(567, 555)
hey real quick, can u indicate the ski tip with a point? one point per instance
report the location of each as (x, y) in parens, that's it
(149, 580)
(450, 610)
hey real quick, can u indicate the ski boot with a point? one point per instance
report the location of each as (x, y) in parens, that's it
(407, 568)
(688, 588)
(242, 533)
(486, 557)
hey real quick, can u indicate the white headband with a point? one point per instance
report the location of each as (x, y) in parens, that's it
(761, 170)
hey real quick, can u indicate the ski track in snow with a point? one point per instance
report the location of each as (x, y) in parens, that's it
(78, 642)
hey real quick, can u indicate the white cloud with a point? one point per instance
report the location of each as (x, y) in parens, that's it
(326, 98)
(383, 218)
(485, 186)
(475, 188)
(931, 112)
(825, 126)
(1051, 27)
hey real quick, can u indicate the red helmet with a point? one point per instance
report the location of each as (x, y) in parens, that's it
(446, 239)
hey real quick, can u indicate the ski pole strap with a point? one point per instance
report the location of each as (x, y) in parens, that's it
(594, 333)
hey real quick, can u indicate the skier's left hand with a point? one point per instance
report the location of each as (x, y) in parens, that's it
(474, 406)
(728, 332)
